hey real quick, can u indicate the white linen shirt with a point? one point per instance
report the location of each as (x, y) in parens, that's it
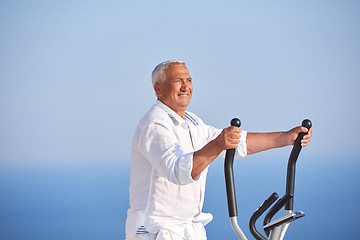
(162, 192)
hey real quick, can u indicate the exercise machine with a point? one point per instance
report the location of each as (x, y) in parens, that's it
(274, 230)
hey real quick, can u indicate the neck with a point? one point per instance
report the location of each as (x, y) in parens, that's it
(180, 112)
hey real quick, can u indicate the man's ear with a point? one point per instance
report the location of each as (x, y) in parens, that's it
(157, 89)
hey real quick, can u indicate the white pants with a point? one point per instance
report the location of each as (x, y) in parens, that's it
(195, 232)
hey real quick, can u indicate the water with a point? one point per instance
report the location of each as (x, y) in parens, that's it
(90, 201)
(63, 202)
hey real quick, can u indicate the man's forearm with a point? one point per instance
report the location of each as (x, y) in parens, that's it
(257, 142)
(203, 157)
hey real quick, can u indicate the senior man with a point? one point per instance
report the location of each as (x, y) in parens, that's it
(171, 151)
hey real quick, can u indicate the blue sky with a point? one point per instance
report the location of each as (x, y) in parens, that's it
(75, 75)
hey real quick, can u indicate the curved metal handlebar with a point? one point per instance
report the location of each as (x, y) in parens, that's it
(276, 208)
(290, 178)
(229, 175)
(258, 212)
(230, 186)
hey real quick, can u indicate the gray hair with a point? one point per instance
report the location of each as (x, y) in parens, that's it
(158, 74)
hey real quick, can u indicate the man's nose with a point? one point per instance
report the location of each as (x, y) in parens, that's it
(184, 85)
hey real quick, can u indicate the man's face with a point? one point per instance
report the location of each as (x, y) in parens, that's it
(176, 90)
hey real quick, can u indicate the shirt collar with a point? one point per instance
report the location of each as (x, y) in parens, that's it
(173, 115)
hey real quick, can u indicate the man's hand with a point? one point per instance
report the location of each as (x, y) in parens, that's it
(293, 134)
(229, 138)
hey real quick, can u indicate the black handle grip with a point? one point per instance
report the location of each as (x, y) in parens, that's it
(229, 175)
(290, 178)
